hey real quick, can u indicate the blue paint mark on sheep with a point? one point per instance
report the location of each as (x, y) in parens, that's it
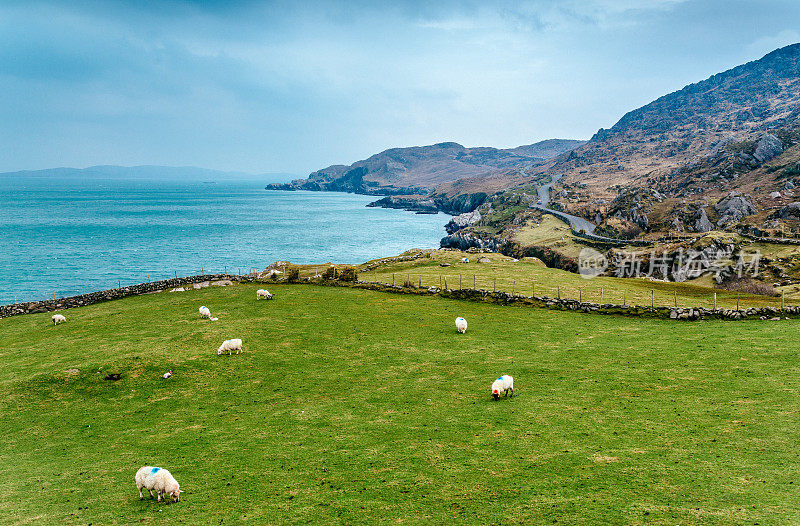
(155, 470)
(501, 378)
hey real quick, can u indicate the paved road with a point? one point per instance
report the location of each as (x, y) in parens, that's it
(577, 223)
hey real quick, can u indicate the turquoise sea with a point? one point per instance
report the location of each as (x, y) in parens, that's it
(78, 234)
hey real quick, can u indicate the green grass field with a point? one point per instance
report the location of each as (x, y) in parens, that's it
(529, 275)
(357, 407)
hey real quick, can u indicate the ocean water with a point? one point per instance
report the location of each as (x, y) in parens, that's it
(71, 235)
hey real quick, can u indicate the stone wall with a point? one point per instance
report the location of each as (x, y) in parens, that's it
(111, 294)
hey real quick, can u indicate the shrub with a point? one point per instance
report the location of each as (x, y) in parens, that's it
(292, 273)
(348, 273)
(748, 286)
(329, 273)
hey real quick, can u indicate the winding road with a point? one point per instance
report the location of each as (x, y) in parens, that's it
(577, 224)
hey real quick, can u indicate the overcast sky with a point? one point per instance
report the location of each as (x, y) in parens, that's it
(294, 87)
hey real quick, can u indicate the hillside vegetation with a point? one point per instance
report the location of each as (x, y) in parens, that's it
(351, 406)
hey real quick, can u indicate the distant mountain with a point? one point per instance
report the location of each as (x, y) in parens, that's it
(671, 165)
(420, 169)
(148, 172)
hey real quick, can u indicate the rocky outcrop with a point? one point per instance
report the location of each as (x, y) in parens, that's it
(767, 148)
(459, 204)
(418, 204)
(733, 209)
(462, 221)
(790, 211)
(701, 222)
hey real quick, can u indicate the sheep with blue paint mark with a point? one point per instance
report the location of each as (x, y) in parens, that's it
(461, 325)
(230, 345)
(504, 383)
(159, 479)
(205, 312)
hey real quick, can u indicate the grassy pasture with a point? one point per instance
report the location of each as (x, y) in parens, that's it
(503, 273)
(356, 407)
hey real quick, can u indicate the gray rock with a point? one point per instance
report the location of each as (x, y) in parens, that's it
(462, 221)
(701, 222)
(775, 195)
(767, 148)
(734, 208)
(790, 211)
(788, 185)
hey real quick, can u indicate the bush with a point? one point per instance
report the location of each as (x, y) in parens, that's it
(329, 273)
(292, 273)
(348, 273)
(748, 286)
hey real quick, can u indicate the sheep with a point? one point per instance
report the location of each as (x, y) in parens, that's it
(461, 325)
(159, 479)
(204, 312)
(504, 383)
(263, 293)
(230, 345)
(168, 375)
(58, 318)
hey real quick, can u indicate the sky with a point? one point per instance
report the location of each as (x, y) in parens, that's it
(297, 86)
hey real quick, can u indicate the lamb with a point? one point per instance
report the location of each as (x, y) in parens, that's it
(263, 293)
(461, 325)
(230, 345)
(204, 312)
(504, 383)
(58, 318)
(159, 479)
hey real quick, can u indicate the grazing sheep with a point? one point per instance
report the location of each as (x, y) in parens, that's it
(263, 293)
(230, 345)
(504, 383)
(461, 325)
(159, 479)
(58, 318)
(204, 312)
(167, 375)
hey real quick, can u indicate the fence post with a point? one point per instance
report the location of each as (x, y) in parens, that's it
(737, 302)
(782, 295)
(392, 279)
(119, 283)
(675, 297)
(473, 282)
(420, 282)
(176, 274)
(226, 270)
(533, 288)
(652, 298)
(445, 283)
(625, 297)
(580, 295)
(513, 287)
(601, 295)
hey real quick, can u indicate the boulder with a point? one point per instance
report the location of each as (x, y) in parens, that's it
(222, 283)
(790, 211)
(767, 148)
(201, 285)
(701, 222)
(733, 208)
(462, 221)
(775, 195)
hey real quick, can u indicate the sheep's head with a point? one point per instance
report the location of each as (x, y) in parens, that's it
(175, 491)
(219, 351)
(496, 394)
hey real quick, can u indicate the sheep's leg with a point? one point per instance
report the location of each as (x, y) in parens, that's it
(158, 492)
(512, 392)
(141, 497)
(150, 492)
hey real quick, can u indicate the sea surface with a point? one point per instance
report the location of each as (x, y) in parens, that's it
(71, 235)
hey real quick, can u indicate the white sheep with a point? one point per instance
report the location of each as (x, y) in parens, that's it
(263, 293)
(461, 325)
(159, 479)
(205, 312)
(58, 318)
(504, 383)
(230, 345)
